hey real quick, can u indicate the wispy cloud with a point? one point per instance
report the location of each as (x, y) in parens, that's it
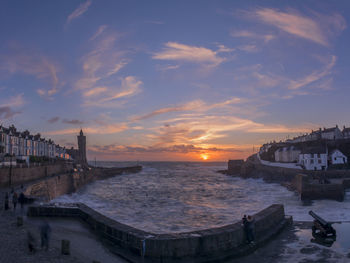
(6, 112)
(106, 129)
(205, 129)
(53, 120)
(105, 96)
(19, 61)
(14, 101)
(195, 105)
(7, 105)
(249, 48)
(181, 52)
(99, 31)
(314, 76)
(74, 122)
(315, 28)
(249, 34)
(82, 8)
(100, 66)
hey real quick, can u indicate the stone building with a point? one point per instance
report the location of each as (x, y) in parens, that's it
(82, 148)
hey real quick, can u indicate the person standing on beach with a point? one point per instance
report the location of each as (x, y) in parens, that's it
(6, 201)
(14, 200)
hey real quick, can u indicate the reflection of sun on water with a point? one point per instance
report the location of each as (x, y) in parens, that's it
(204, 156)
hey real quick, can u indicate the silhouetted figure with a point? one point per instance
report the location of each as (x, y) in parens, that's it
(250, 229)
(6, 201)
(21, 200)
(31, 242)
(14, 200)
(245, 227)
(45, 231)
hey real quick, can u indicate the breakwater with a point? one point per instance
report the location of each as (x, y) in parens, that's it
(311, 185)
(212, 244)
(54, 186)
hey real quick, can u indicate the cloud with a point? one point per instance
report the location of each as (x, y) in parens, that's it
(82, 8)
(75, 122)
(53, 120)
(7, 105)
(100, 66)
(248, 34)
(95, 91)
(105, 96)
(204, 129)
(313, 77)
(14, 101)
(6, 112)
(167, 67)
(181, 148)
(249, 48)
(197, 105)
(106, 129)
(317, 29)
(99, 31)
(180, 52)
(21, 62)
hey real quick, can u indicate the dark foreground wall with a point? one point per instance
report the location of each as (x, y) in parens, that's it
(197, 246)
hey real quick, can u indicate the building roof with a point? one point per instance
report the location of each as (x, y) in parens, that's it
(315, 149)
(335, 151)
(330, 129)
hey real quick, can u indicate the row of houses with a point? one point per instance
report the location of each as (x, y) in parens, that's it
(310, 158)
(333, 133)
(23, 144)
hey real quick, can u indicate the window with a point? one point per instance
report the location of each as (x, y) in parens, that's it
(319, 161)
(311, 161)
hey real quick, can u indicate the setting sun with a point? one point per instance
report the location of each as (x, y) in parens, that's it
(204, 156)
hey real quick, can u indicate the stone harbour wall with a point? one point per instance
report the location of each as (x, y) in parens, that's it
(17, 176)
(210, 244)
(54, 186)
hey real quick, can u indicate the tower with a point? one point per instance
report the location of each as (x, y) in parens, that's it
(82, 148)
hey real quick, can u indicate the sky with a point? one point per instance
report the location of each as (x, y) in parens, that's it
(174, 80)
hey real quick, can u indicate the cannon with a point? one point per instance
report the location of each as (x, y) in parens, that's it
(321, 227)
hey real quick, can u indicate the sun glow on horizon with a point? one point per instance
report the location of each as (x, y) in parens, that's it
(204, 156)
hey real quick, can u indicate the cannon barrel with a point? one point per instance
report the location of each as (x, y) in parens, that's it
(318, 218)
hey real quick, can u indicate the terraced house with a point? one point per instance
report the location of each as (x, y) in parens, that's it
(22, 145)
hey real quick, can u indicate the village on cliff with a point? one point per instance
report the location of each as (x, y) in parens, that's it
(323, 149)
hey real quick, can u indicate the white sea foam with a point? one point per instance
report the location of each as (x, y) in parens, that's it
(177, 197)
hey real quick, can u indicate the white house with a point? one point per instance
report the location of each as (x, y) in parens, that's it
(337, 157)
(331, 133)
(314, 158)
(288, 154)
(346, 132)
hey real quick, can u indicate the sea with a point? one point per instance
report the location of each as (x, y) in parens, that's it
(173, 197)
